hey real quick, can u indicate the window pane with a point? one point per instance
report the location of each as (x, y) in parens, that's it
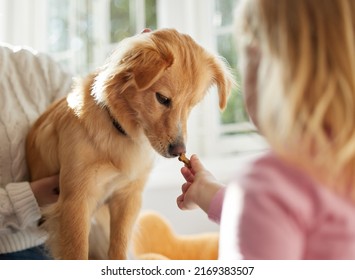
(123, 22)
(151, 14)
(120, 20)
(76, 42)
(58, 31)
(224, 12)
(83, 42)
(235, 111)
(226, 48)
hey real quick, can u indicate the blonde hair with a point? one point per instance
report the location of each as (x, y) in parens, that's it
(306, 82)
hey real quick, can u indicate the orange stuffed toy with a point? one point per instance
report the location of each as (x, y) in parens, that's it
(154, 239)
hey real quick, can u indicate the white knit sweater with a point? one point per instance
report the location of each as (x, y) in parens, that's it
(29, 82)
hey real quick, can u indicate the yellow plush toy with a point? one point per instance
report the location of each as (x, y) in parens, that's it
(154, 239)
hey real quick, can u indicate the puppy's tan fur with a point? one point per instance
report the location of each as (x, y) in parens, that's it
(100, 165)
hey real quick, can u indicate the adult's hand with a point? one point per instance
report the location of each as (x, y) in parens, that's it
(46, 190)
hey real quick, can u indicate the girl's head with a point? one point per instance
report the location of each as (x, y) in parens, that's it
(304, 80)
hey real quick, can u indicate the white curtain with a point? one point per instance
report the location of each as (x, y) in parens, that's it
(23, 23)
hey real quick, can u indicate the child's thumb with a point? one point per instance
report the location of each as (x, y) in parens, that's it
(196, 164)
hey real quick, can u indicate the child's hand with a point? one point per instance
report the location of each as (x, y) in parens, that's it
(46, 190)
(200, 186)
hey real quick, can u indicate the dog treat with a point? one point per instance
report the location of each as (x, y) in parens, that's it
(185, 160)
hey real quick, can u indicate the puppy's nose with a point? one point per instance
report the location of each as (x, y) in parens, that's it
(177, 149)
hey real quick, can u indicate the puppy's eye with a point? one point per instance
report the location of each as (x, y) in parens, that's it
(163, 100)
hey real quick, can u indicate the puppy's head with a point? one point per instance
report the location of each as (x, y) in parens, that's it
(154, 79)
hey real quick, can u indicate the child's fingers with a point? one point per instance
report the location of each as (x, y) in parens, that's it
(180, 201)
(187, 173)
(196, 164)
(185, 187)
(183, 204)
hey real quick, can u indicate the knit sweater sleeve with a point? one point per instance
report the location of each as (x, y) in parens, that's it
(31, 82)
(18, 207)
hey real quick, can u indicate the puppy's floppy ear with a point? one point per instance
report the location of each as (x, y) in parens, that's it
(147, 66)
(136, 64)
(223, 78)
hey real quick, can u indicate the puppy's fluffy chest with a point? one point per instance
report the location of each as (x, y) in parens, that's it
(123, 168)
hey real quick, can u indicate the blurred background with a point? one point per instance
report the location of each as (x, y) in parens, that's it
(80, 34)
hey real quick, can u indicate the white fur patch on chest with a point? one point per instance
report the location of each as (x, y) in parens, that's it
(109, 179)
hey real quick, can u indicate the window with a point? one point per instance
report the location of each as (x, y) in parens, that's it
(81, 33)
(223, 22)
(235, 129)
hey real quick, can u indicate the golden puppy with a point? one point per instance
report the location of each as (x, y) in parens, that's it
(101, 138)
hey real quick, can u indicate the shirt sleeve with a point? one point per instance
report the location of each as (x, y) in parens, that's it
(59, 81)
(268, 229)
(215, 208)
(18, 207)
(273, 219)
(48, 82)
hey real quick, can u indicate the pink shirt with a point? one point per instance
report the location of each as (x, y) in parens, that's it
(284, 214)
